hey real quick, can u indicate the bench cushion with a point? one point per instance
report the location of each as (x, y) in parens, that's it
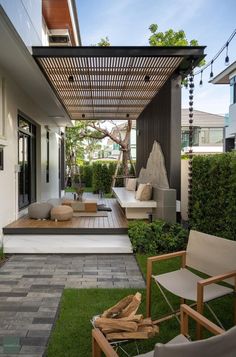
(127, 199)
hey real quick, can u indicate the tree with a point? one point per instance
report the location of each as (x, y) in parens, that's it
(104, 42)
(102, 132)
(171, 38)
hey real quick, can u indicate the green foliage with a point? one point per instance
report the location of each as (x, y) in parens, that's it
(214, 195)
(156, 237)
(104, 42)
(169, 38)
(86, 175)
(97, 177)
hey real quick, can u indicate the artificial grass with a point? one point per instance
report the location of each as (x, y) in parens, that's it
(72, 334)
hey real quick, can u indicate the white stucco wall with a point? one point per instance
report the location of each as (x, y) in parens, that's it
(49, 189)
(16, 100)
(26, 16)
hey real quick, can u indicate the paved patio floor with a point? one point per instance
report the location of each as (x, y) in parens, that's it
(31, 287)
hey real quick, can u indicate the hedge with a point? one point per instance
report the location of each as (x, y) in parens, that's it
(214, 195)
(156, 237)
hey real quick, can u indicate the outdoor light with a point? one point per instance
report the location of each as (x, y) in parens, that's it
(83, 115)
(201, 82)
(211, 74)
(127, 115)
(227, 57)
(71, 79)
(146, 78)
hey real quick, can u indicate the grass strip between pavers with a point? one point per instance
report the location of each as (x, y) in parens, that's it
(72, 334)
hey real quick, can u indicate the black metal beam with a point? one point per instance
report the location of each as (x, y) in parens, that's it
(195, 52)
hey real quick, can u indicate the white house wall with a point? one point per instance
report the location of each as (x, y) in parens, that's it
(50, 189)
(26, 15)
(16, 100)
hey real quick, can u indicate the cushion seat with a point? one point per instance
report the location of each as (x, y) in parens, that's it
(39, 210)
(61, 213)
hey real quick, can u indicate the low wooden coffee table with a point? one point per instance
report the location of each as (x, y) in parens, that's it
(82, 206)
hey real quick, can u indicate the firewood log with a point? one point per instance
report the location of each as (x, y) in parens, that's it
(115, 324)
(132, 308)
(118, 308)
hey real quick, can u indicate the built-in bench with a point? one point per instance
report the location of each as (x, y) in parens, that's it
(134, 209)
(163, 204)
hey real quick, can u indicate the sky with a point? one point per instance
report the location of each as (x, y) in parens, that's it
(126, 23)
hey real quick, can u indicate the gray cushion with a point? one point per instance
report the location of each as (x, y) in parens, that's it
(39, 210)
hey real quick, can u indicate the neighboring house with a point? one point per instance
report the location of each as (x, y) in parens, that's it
(32, 119)
(208, 135)
(208, 132)
(228, 76)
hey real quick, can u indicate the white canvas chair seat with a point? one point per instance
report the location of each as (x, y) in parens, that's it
(183, 283)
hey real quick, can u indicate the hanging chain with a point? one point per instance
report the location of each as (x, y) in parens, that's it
(190, 152)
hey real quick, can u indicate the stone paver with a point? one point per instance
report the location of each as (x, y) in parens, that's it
(31, 287)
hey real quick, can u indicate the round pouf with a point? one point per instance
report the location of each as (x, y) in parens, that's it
(61, 213)
(39, 210)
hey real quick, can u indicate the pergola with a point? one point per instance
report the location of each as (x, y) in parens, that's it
(116, 83)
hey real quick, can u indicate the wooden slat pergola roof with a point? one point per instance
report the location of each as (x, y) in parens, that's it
(112, 82)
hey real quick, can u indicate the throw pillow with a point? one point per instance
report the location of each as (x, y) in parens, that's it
(139, 191)
(131, 184)
(144, 192)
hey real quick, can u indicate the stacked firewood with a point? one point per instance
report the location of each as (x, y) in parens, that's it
(121, 321)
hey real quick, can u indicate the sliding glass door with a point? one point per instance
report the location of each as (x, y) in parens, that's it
(27, 164)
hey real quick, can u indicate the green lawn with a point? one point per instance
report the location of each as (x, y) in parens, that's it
(72, 334)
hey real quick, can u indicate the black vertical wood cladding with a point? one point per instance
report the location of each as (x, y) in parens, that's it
(161, 121)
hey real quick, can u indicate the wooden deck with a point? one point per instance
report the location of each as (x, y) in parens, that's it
(114, 223)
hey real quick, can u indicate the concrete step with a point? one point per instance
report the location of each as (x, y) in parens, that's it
(77, 244)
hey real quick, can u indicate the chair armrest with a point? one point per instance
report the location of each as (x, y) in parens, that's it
(217, 278)
(100, 344)
(186, 312)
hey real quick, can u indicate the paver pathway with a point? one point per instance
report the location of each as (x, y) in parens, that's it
(31, 287)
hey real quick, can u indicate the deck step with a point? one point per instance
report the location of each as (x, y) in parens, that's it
(67, 244)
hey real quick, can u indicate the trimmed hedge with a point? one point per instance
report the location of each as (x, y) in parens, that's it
(214, 195)
(156, 237)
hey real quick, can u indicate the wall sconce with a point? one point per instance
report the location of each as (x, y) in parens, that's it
(1, 158)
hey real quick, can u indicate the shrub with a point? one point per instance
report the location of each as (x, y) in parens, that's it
(214, 195)
(96, 178)
(156, 237)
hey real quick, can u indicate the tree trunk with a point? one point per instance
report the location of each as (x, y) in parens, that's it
(125, 163)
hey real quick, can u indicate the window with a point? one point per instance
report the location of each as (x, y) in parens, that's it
(2, 109)
(233, 90)
(47, 159)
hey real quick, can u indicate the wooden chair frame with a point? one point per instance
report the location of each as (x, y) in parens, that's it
(200, 285)
(101, 345)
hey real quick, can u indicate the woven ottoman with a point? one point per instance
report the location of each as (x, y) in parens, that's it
(39, 210)
(61, 213)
